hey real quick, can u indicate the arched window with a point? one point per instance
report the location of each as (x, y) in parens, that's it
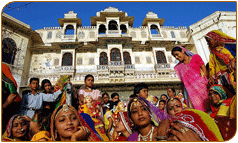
(69, 30)
(160, 57)
(113, 25)
(154, 29)
(127, 58)
(123, 29)
(103, 58)
(9, 50)
(172, 34)
(115, 54)
(67, 59)
(49, 35)
(102, 29)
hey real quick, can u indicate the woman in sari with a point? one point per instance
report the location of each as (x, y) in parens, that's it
(192, 72)
(17, 129)
(174, 106)
(193, 125)
(68, 125)
(220, 109)
(222, 64)
(122, 126)
(145, 121)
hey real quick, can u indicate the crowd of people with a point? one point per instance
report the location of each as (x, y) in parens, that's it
(204, 109)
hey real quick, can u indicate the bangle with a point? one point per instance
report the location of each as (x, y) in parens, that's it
(161, 138)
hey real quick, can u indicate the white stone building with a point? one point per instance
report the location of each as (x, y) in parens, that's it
(116, 53)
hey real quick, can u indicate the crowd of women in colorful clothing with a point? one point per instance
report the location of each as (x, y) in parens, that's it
(203, 110)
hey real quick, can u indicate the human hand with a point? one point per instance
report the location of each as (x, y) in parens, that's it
(163, 126)
(181, 133)
(9, 100)
(82, 134)
(27, 118)
(211, 81)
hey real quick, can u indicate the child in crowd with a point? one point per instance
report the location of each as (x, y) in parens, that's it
(34, 100)
(47, 89)
(162, 104)
(141, 90)
(105, 103)
(114, 101)
(88, 89)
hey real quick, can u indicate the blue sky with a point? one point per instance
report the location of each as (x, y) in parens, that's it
(45, 14)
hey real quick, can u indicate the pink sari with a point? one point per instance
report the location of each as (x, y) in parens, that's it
(194, 82)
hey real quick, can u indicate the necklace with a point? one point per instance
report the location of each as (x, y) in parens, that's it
(144, 138)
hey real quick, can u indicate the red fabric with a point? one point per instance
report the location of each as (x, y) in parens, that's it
(196, 121)
(7, 72)
(121, 138)
(225, 57)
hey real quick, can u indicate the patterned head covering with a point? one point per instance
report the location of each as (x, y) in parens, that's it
(7, 136)
(147, 105)
(65, 107)
(189, 53)
(219, 89)
(200, 122)
(123, 116)
(172, 99)
(220, 36)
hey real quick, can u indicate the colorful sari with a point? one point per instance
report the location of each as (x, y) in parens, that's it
(221, 113)
(220, 58)
(194, 81)
(123, 116)
(93, 136)
(7, 136)
(9, 86)
(200, 122)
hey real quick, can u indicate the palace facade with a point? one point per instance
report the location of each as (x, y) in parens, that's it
(117, 54)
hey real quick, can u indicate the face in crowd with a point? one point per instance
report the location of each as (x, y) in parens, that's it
(174, 106)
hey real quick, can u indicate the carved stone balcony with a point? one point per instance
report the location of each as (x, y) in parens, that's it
(129, 67)
(116, 63)
(156, 35)
(114, 32)
(68, 38)
(162, 66)
(102, 67)
(66, 69)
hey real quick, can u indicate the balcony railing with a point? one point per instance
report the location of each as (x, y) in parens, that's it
(162, 66)
(116, 63)
(102, 67)
(66, 69)
(113, 32)
(129, 67)
(69, 38)
(155, 35)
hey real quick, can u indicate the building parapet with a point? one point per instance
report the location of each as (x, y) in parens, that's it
(52, 28)
(172, 27)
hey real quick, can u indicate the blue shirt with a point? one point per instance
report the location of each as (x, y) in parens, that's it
(32, 102)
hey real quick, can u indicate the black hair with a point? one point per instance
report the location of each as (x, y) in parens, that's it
(114, 94)
(34, 79)
(164, 95)
(44, 82)
(43, 118)
(169, 101)
(173, 90)
(176, 49)
(87, 76)
(140, 86)
(133, 95)
(163, 101)
(105, 93)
